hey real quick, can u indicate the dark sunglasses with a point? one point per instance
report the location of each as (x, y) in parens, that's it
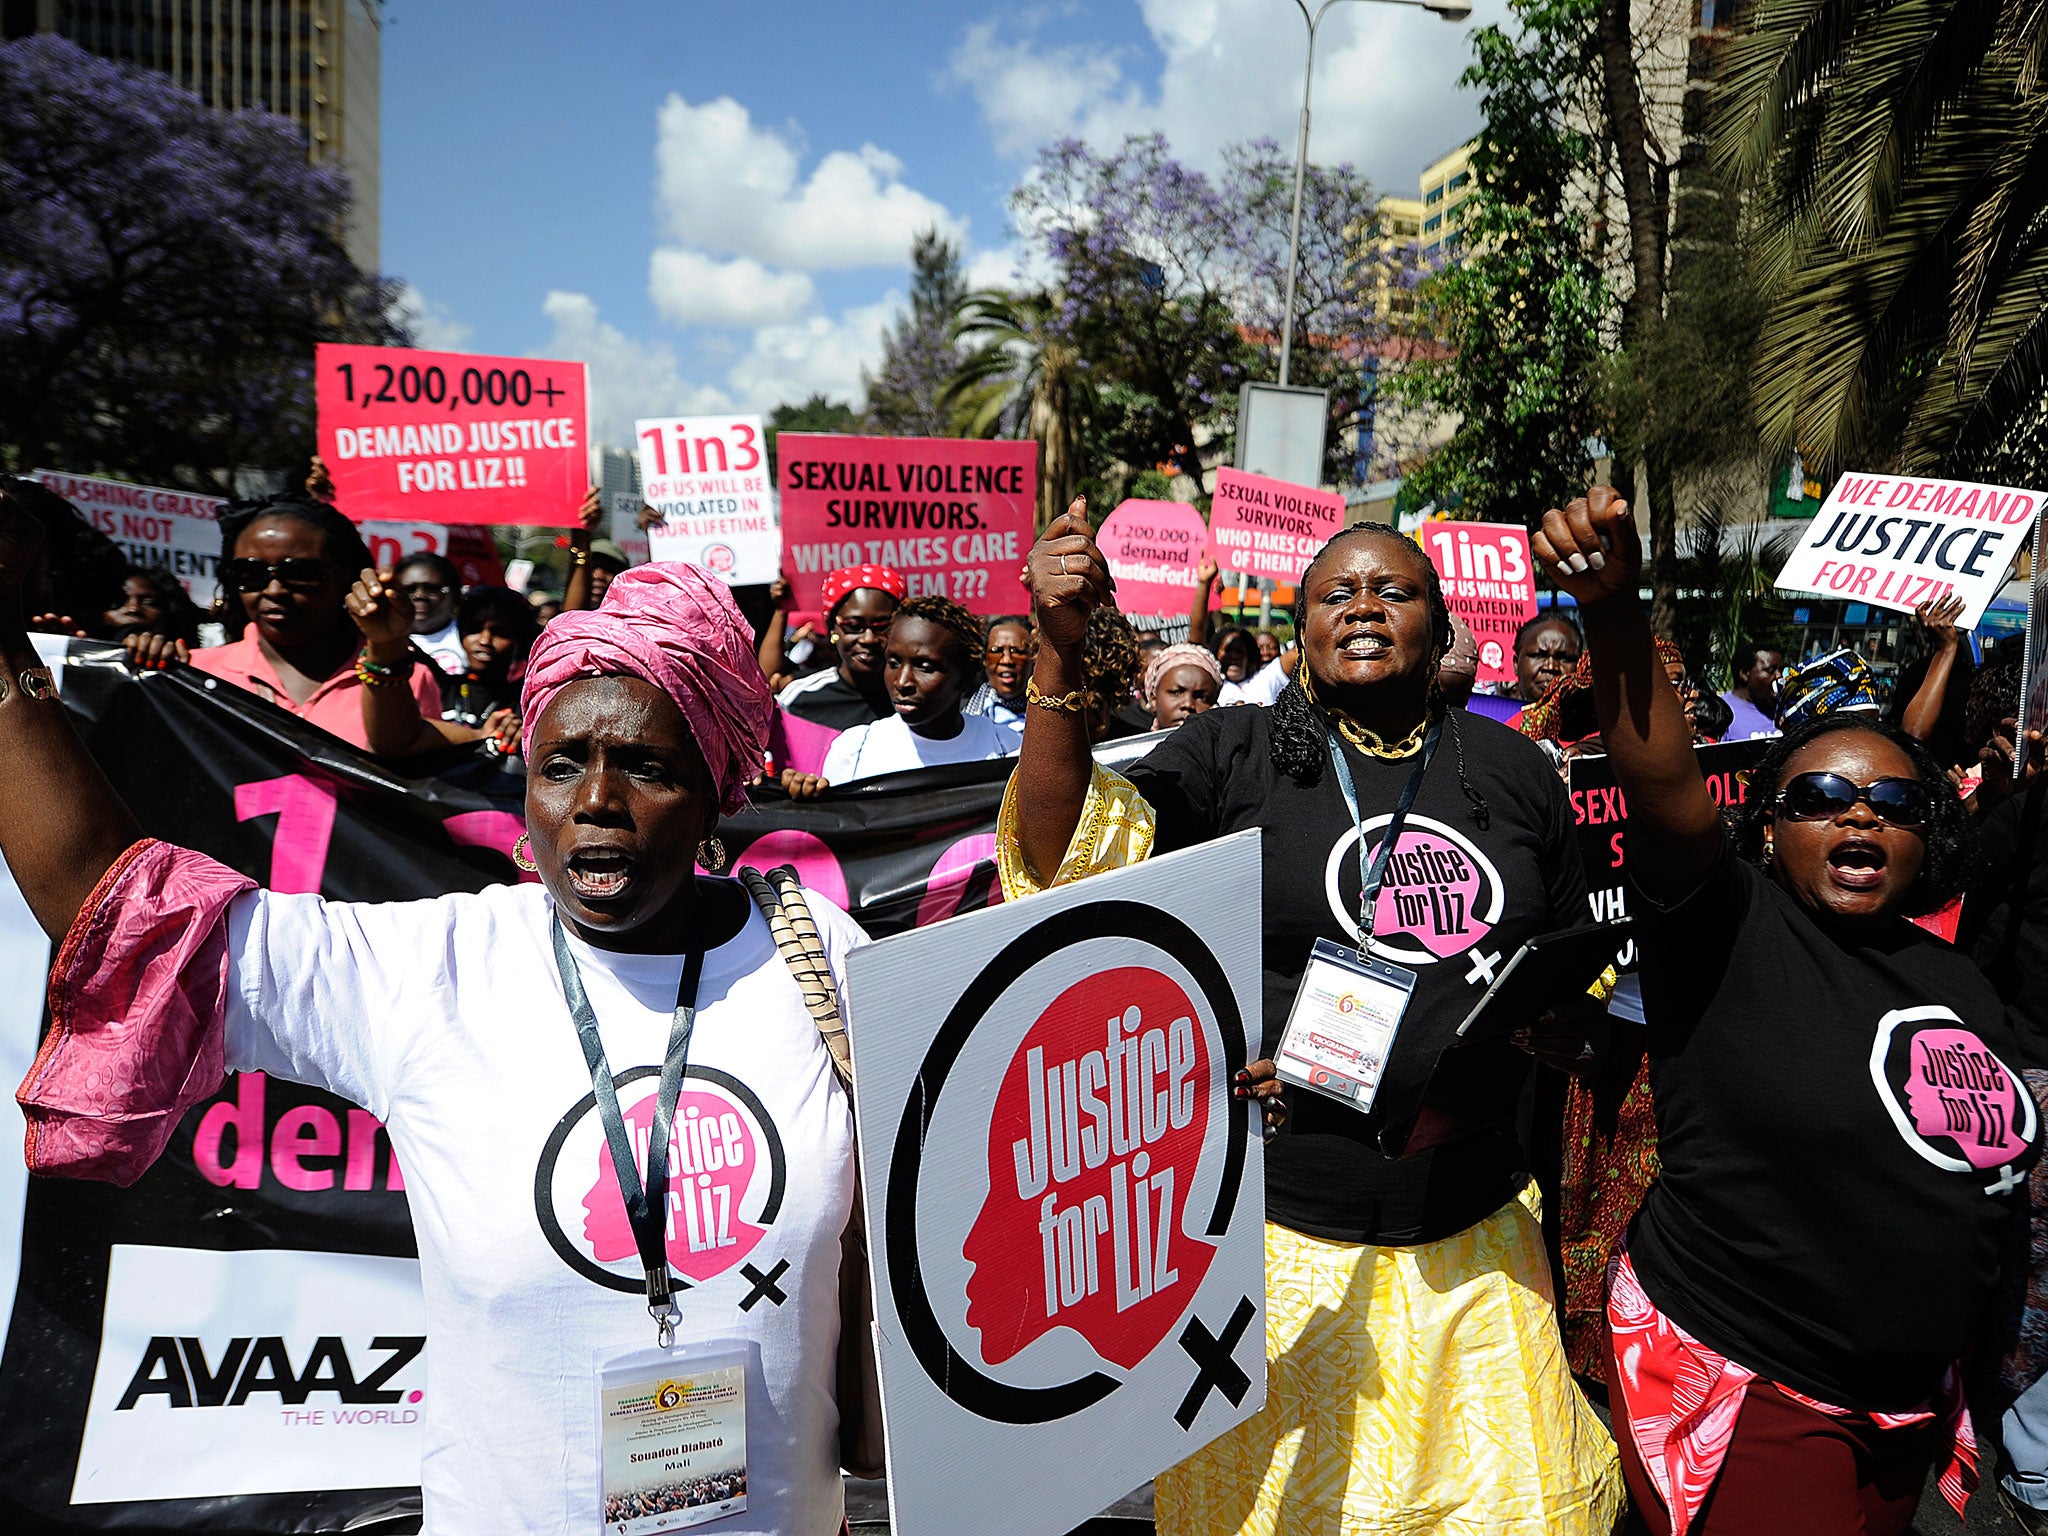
(1824, 796)
(298, 573)
(851, 628)
(425, 588)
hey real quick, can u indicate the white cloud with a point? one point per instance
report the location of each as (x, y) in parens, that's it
(692, 288)
(724, 185)
(1386, 94)
(628, 378)
(434, 326)
(817, 355)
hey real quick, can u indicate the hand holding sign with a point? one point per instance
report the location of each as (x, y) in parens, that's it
(1069, 578)
(1592, 547)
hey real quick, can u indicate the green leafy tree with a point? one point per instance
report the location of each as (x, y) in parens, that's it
(905, 397)
(1022, 376)
(1507, 336)
(816, 414)
(1896, 158)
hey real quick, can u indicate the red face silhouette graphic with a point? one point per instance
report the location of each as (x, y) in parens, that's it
(1092, 1153)
(711, 1162)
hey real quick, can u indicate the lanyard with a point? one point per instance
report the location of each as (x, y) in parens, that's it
(646, 1206)
(1371, 876)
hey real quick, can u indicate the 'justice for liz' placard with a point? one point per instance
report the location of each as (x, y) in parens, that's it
(447, 437)
(1063, 1200)
(1899, 542)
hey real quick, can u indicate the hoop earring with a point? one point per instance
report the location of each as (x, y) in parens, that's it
(522, 855)
(711, 853)
(833, 636)
(1770, 854)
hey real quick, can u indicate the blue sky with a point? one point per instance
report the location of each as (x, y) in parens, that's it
(712, 204)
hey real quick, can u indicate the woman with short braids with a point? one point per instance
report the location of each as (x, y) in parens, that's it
(1841, 1125)
(1416, 1381)
(931, 663)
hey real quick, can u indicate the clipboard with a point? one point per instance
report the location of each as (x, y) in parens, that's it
(1417, 1113)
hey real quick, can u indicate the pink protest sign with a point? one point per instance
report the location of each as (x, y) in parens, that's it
(447, 437)
(1267, 527)
(1489, 580)
(1153, 548)
(953, 515)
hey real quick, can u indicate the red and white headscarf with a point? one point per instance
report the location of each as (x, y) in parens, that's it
(844, 583)
(678, 628)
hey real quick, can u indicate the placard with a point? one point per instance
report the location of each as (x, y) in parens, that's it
(954, 515)
(1064, 1202)
(1899, 542)
(708, 477)
(448, 437)
(467, 544)
(1489, 581)
(1153, 548)
(2033, 706)
(1266, 527)
(178, 531)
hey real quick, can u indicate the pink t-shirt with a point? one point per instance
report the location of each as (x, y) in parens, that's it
(336, 705)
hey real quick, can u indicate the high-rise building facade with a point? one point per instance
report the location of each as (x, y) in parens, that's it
(317, 62)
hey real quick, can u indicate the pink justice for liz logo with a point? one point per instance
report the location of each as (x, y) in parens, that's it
(712, 1161)
(1964, 1110)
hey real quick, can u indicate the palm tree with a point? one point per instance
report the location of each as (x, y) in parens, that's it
(1022, 377)
(1898, 170)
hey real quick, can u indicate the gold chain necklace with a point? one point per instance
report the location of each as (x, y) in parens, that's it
(1363, 737)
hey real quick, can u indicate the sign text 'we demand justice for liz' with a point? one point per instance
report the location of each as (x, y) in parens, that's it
(1900, 542)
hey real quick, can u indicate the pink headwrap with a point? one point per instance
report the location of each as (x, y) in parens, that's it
(678, 628)
(1180, 656)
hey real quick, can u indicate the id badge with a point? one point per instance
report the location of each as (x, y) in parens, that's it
(1343, 1024)
(671, 1437)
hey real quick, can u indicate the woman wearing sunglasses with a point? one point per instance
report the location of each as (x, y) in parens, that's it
(1843, 1131)
(287, 563)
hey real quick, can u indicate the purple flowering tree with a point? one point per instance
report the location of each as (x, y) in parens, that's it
(1170, 284)
(165, 271)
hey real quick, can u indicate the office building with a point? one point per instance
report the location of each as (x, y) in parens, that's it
(317, 62)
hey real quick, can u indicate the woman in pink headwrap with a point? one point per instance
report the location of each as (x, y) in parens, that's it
(860, 603)
(509, 1040)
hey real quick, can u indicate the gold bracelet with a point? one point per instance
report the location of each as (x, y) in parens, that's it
(578, 557)
(35, 684)
(1074, 703)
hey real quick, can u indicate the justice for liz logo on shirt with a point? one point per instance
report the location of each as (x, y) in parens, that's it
(1440, 895)
(1956, 1104)
(726, 1180)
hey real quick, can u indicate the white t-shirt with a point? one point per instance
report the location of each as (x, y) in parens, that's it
(890, 746)
(446, 1020)
(445, 646)
(1263, 687)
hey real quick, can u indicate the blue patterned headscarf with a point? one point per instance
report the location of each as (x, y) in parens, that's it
(1838, 683)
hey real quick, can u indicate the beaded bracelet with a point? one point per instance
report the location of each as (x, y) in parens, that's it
(373, 674)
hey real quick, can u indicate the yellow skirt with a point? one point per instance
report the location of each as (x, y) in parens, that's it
(1408, 1390)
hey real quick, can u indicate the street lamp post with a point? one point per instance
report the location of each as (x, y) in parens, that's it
(1450, 10)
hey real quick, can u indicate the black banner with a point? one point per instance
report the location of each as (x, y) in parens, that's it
(268, 1166)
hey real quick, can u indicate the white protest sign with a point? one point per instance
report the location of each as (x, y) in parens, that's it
(2033, 707)
(176, 530)
(1899, 542)
(1065, 1206)
(708, 478)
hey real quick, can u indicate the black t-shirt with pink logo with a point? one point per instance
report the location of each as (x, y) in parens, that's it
(1458, 900)
(1843, 1136)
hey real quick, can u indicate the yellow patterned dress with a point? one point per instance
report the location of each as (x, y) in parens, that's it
(1409, 1390)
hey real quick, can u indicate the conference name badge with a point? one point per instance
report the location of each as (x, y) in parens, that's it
(1343, 1023)
(671, 1437)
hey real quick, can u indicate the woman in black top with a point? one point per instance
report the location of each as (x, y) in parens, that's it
(1840, 1123)
(497, 627)
(1416, 1380)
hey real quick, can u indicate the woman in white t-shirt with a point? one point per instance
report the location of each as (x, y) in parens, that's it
(484, 1030)
(931, 665)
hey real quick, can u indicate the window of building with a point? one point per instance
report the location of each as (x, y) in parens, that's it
(1433, 195)
(1432, 222)
(1463, 178)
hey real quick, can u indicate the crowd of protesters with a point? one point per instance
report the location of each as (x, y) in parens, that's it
(1774, 1219)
